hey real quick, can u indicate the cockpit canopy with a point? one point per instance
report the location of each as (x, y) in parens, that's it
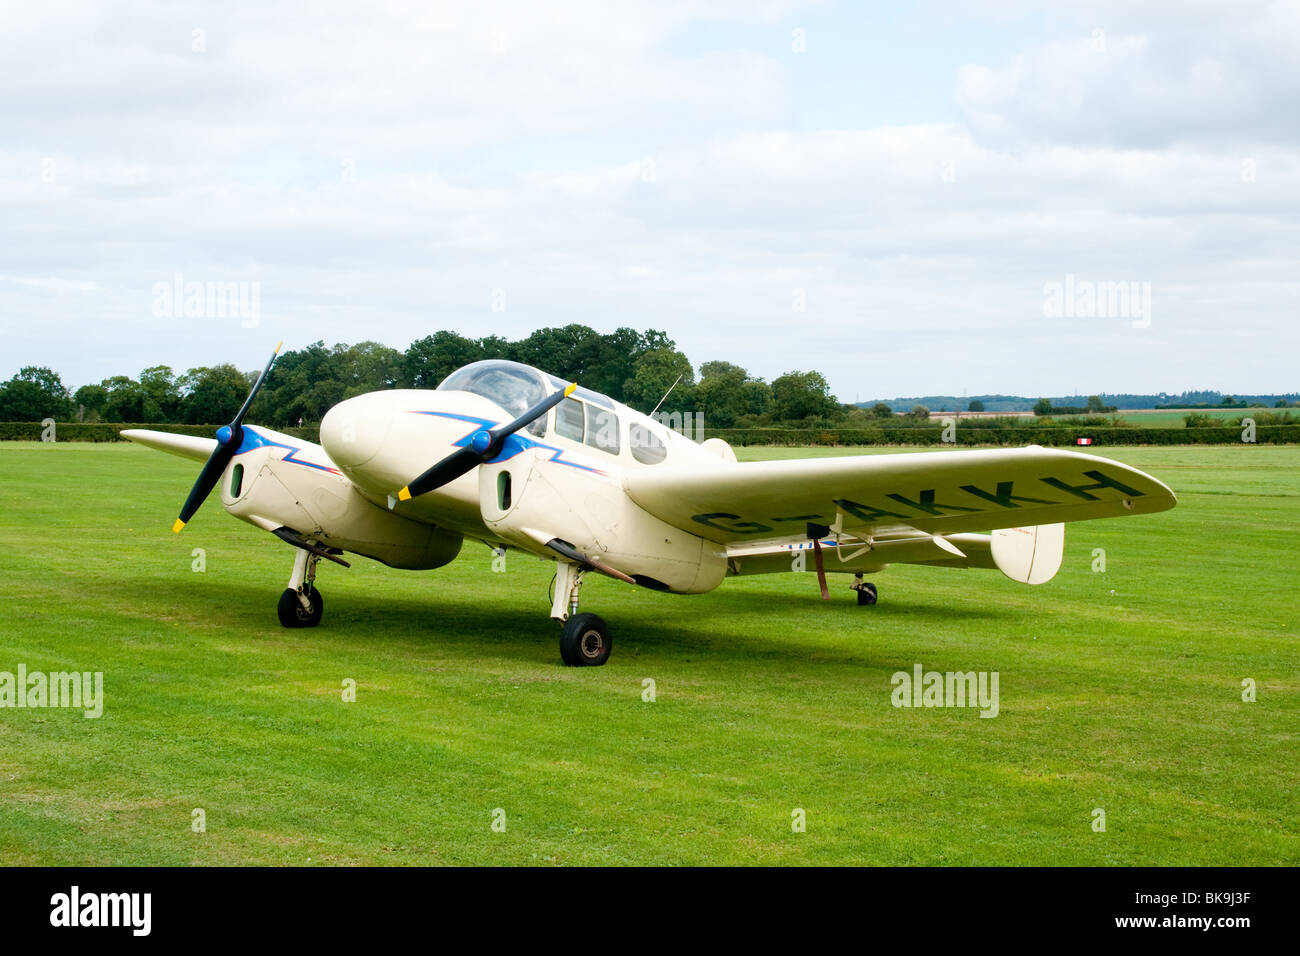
(514, 386)
(585, 417)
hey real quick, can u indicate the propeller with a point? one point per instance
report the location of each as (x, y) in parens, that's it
(484, 445)
(229, 438)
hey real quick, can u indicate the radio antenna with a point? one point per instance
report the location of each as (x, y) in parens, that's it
(667, 393)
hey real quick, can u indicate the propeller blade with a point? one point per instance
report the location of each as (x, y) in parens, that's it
(257, 387)
(207, 480)
(537, 411)
(483, 446)
(229, 438)
(459, 462)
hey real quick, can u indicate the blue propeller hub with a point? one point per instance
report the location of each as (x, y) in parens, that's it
(224, 434)
(480, 441)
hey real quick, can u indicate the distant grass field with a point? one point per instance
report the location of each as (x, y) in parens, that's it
(1119, 690)
(1156, 418)
(1175, 418)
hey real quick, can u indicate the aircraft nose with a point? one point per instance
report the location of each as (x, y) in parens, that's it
(353, 431)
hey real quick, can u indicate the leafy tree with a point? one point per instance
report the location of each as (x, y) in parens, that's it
(721, 393)
(1095, 404)
(431, 359)
(287, 395)
(368, 367)
(563, 352)
(320, 398)
(656, 370)
(34, 394)
(214, 395)
(127, 400)
(93, 399)
(163, 397)
(800, 395)
(758, 397)
(494, 347)
(630, 366)
(975, 405)
(920, 412)
(881, 410)
(606, 362)
(1043, 406)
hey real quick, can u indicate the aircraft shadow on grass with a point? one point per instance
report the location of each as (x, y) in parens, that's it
(722, 626)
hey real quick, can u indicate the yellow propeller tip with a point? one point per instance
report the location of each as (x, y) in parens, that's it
(278, 347)
(570, 389)
(176, 528)
(404, 494)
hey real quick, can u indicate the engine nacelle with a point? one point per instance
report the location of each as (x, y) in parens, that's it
(271, 489)
(531, 498)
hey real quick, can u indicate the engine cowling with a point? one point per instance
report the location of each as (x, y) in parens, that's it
(271, 489)
(531, 499)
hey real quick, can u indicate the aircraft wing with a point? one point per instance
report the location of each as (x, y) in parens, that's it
(938, 493)
(186, 446)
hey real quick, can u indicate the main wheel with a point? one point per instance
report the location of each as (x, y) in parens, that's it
(866, 594)
(293, 614)
(585, 642)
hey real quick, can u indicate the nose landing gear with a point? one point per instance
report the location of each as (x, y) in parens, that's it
(301, 605)
(585, 639)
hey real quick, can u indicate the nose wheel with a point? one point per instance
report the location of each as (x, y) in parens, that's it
(585, 642)
(302, 608)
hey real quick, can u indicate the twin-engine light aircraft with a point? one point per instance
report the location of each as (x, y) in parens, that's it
(512, 457)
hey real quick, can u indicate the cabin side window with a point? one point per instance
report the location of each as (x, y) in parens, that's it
(645, 444)
(602, 429)
(568, 419)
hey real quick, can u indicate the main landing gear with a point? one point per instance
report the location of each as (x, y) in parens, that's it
(866, 591)
(585, 640)
(301, 605)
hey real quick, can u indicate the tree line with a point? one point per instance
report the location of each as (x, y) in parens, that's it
(636, 368)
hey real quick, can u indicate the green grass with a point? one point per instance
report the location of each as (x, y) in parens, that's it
(1119, 690)
(1174, 417)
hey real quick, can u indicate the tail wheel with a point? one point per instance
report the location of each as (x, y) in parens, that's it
(585, 641)
(293, 614)
(866, 594)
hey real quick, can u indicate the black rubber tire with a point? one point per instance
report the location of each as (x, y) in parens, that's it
(585, 641)
(866, 594)
(291, 611)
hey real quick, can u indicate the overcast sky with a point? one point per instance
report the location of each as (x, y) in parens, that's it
(885, 194)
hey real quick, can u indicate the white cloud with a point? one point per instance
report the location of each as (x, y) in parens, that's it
(1150, 80)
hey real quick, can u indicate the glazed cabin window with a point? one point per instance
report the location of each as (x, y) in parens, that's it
(602, 429)
(514, 387)
(568, 419)
(645, 444)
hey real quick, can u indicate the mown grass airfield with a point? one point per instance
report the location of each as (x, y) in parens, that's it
(753, 724)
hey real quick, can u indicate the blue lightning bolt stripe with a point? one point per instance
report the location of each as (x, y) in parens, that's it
(513, 445)
(253, 440)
